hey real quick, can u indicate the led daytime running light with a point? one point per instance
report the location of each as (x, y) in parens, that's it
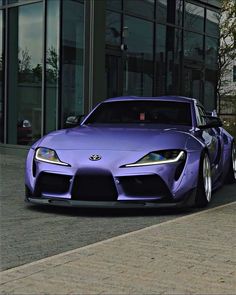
(41, 158)
(137, 164)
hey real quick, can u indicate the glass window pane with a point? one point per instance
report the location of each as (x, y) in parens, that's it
(15, 1)
(160, 59)
(52, 65)
(113, 28)
(173, 53)
(170, 11)
(138, 71)
(193, 82)
(114, 4)
(194, 17)
(25, 73)
(211, 52)
(1, 79)
(193, 46)
(176, 13)
(161, 10)
(210, 86)
(72, 59)
(144, 7)
(212, 23)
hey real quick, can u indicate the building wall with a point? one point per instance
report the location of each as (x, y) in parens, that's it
(60, 58)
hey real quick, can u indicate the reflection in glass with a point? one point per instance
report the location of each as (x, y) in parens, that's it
(194, 17)
(138, 71)
(193, 46)
(210, 83)
(192, 82)
(161, 10)
(1, 78)
(113, 28)
(25, 73)
(212, 23)
(52, 65)
(170, 11)
(114, 4)
(211, 52)
(113, 79)
(15, 1)
(160, 59)
(144, 7)
(72, 59)
(173, 54)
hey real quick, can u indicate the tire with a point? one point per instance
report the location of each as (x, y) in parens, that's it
(231, 176)
(204, 186)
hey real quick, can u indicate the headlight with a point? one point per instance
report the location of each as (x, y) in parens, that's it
(48, 156)
(160, 157)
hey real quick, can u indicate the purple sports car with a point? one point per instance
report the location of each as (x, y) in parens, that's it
(133, 152)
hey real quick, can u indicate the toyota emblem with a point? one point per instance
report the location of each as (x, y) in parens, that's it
(95, 158)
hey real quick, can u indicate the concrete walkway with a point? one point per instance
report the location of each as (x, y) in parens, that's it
(194, 254)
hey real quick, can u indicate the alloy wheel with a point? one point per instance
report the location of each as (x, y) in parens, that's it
(207, 177)
(234, 160)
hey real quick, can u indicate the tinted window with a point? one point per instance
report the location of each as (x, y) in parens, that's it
(113, 28)
(154, 112)
(212, 22)
(138, 70)
(52, 65)
(25, 73)
(72, 59)
(201, 116)
(193, 46)
(194, 17)
(211, 52)
(144, 7)
(1, 77)
(114, 4)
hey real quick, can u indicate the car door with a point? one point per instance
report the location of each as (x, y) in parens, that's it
(211, 138)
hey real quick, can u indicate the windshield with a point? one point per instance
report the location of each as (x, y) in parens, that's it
(154, 112)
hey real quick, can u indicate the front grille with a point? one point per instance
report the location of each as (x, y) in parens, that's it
(52, 183)
(94, 186)
(145, 185)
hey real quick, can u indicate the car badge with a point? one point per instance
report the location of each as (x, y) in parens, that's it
(95, 158)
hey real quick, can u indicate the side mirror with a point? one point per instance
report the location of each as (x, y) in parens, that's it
(212, 114)
(73, 121)
(212, 122)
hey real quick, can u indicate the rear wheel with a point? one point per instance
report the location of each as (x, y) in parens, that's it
(204, 187)
(231, 177)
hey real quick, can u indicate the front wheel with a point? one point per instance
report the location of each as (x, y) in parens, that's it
(204, 187)
(231, 177)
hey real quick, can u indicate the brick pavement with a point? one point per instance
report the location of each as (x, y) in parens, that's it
(194, 254)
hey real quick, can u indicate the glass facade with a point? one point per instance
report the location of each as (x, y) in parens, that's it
(173, 51)
(1, 79)
(49, 62)
(25, 73)
(72, 60)
(52, 65)
(138, 68)
(44, 67)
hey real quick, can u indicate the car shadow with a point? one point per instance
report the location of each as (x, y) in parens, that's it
(108, 212)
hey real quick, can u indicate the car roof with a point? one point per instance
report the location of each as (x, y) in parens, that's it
(165, 98)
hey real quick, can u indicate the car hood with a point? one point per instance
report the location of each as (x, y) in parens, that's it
(120, 138)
